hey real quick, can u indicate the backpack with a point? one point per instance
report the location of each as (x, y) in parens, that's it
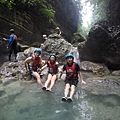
(14, 40)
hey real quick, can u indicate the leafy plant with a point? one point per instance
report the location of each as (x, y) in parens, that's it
(9, 3)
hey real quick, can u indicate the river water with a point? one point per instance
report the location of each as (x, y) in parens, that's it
(32, 103)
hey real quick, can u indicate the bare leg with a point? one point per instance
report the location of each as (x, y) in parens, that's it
(37, 76)
(72, 91)
(66, 91)
(52, 82)
(48, 80)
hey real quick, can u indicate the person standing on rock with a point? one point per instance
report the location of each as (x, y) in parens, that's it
(59, 31)
(12, 44)
(72, 70)
(44, 38)
(37, 63)
(52, 72)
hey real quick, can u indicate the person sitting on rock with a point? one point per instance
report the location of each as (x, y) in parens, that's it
(72, 70)
(36, 64)
(52, 72)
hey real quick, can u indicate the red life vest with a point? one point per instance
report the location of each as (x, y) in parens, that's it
(70, 70)
(36, 63)
(52, 67)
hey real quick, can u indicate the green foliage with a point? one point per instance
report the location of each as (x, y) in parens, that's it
(32, 2)
(9, 3)
(99, 12)
(39, 8)
(49, 13)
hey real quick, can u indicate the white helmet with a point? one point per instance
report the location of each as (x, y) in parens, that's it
(57, 28)
(44, 35)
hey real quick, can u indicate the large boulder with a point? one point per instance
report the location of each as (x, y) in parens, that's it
(56, 44)
(103, 45)
(95, 68)
(114, 12)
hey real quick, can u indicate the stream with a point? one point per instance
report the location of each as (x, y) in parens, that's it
(32, 103)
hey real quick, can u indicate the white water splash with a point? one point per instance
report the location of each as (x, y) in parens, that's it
(76, 56)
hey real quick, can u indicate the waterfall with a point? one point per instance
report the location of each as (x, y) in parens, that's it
(76, 56)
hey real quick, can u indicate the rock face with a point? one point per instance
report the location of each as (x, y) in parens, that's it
(30, 25)
(95, 68)
(114, 12)
(103, 45)
(67, 15)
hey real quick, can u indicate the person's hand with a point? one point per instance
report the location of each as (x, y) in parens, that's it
(61, 71)
(39, 70)
(83, 82)
(4, 38)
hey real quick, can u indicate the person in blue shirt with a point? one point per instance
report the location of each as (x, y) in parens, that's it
(12, 44)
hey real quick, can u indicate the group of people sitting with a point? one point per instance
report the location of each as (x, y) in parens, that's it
(72, 71)
(38, 65)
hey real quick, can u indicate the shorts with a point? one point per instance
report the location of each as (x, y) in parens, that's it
(52, 73)
(71, 82)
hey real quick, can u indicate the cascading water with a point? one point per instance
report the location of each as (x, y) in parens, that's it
(75, 53)
(90, 11)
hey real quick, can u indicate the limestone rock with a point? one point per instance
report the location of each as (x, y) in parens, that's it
(96, 68)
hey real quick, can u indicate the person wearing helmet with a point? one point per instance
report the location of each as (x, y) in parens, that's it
(59, 31)
(36, 64)
(52, 72)
(72, 70)
(12, 44)
(44, 38)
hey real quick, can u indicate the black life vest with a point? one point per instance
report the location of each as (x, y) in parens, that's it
(71, 72)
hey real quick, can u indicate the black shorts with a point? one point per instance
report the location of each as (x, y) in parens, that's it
(71, 82)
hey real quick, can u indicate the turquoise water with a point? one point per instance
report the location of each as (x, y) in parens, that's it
(34, 104)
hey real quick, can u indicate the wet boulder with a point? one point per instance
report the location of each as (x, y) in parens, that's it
(29, 51)
(77, 38)
(95, 68)
(116, 73)
(11, 71)
(103, 86)
(58, 45)
(103, 45)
